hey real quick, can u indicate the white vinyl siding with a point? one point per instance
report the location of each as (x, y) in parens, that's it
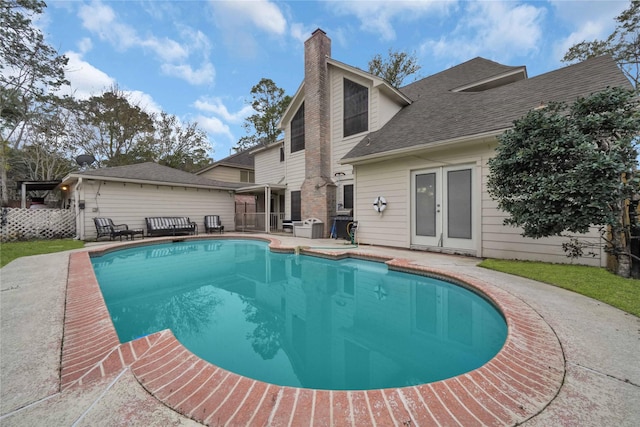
(294, 170)
(391, 179)
(385, 110)
(127, 203)
(223, 173)
(505, 242)
(381, 110)
(295, 167)
(269, 168)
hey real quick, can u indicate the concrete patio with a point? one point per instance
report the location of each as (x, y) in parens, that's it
(601, 347)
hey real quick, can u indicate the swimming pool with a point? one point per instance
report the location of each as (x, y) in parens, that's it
(298, 320)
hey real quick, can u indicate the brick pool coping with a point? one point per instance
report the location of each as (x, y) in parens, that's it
(518, 383)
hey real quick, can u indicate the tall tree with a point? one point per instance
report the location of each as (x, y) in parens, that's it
(178, 145)
(30, 69)
(395, 68)
(623, 44)
(269, 103)
(114, 127)
(568, 168)
(48, 151)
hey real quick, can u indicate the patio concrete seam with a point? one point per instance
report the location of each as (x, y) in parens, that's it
(28, 406)
(562, 350)
(604, 374)
(564, 360)
(99, 398)
(64, 323)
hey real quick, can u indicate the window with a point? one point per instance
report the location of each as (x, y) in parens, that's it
(297, 130)
(282, 153)
(347, 201)
(356, 108)
(247, 176)
(296, 206)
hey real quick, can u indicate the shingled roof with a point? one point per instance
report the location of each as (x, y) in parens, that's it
(438, 113)
(150, 172)
(243, 159)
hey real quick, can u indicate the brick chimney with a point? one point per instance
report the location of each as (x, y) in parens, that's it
(318, 192)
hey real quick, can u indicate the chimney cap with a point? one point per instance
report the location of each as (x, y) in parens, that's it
(319, 30)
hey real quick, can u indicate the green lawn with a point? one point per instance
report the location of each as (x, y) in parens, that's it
(12, 250)
(597, 283)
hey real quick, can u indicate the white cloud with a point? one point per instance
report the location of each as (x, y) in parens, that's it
(204, 75)
(85, 45)
(579, 12)
(239, 20)
(496, 29)
(588, 31)
(263, 14)
(96, 16)
(196, 40)
(301, 32)
(102, 20)
(588, 20)
(142, 100)
(217, 120)
(165, 48)
(217, 107)
(214, 126)
(378, 16)
(86, 80)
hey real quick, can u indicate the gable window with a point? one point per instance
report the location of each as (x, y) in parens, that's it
(296, 206)
(297, 130)
(348, 196)
(282, 153)
(247, 176)
(356, 108)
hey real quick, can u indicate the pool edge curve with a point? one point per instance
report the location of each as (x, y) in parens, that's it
(516, 384)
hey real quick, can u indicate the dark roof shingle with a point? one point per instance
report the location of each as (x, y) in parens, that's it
(438, 114)
(154, 172)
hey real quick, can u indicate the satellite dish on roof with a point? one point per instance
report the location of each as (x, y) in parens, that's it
(84, 160)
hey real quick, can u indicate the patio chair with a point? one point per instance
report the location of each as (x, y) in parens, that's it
(106, 227)
(212, 223)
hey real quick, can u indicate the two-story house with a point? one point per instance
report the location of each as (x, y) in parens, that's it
(411, 163)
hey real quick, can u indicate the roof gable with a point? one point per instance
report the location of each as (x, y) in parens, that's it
(439, 115)
(475, 71)
(241, 160)
(396, 95)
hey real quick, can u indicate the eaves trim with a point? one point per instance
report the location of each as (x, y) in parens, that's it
(422, 147)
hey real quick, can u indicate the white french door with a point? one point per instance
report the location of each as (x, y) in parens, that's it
(442, 211)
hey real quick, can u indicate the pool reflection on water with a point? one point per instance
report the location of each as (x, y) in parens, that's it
(298, 320)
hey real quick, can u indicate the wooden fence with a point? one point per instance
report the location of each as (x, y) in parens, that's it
(31, 224)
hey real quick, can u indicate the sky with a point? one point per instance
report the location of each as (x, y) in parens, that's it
(198, 60)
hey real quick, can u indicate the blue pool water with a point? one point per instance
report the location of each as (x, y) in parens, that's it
(298, 320)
